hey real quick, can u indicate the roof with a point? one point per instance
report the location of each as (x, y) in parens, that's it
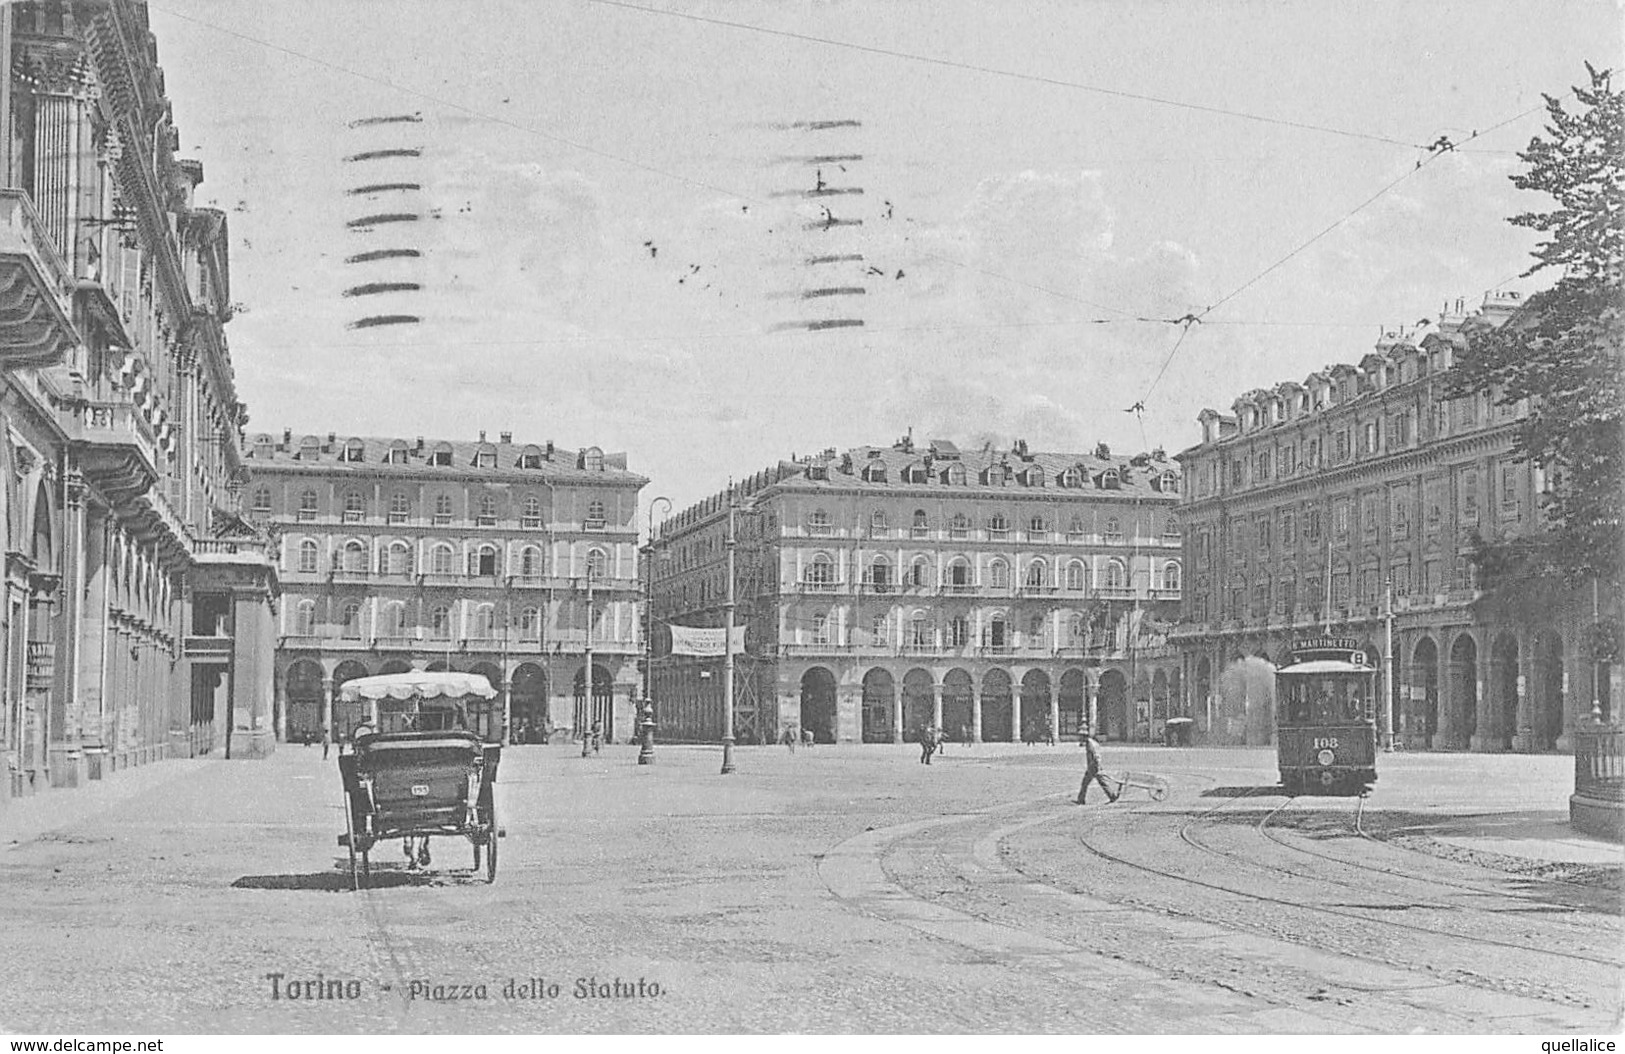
(551, 461)
(1139, 474)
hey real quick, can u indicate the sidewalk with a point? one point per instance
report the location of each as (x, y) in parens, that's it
(23, 820)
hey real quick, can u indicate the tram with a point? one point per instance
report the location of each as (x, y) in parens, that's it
(1325, 718)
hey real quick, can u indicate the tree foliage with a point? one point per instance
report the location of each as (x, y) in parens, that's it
(1565, 350)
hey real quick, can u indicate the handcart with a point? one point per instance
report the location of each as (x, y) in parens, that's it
(415, 770)
(1155, 786)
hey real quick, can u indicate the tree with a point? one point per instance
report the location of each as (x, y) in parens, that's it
(1565, 349)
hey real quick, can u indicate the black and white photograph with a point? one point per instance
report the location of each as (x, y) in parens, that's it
(877, 518)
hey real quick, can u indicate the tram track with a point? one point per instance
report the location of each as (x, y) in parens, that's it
(1461, 974)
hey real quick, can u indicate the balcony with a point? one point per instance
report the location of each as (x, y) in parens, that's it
(119, 453)
(209, 649)
(820, 587)
(36, 289)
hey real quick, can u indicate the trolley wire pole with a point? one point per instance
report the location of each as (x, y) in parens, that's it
(587, 677)
(1388, 658)
(728, 646)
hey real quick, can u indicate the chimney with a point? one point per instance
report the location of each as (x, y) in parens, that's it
(419, 448)
(506, 437)
(550, 448)
(287, 438)
(482, 435)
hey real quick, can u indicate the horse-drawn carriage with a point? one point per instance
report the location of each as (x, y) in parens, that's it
(422, 763)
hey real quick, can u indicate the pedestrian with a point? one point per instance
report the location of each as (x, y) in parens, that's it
(928, 744)
(964, 735)
(790, 738)
(327, 743)
(1091, 772)
(939, 739)
(597, 736)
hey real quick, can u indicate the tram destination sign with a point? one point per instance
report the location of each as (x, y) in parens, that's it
(1342, 649)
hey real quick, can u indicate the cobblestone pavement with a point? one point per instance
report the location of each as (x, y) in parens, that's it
(836, 889)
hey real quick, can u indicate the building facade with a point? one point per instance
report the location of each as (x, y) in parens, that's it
(137, 604)
(514, 561)
(1353, 499)
(996, 594)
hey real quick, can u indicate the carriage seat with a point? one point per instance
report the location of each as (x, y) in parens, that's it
(436, 765)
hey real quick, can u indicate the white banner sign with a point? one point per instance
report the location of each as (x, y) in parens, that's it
(688, 640)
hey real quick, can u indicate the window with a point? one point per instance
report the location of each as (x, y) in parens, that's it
(1038, 529)
(483, 561)
(1035, 631)
(1283, 596)
(874, 472)
(1077, 578)
(821, 572)
(400, 507)
(919, 572)
(998, 575)
(1171, 576)
(998, 632)
(1261, 599)
(307, 505)
(1109, 479)
(304, 618)
(922, 525)
(309, 556)
(597, 563)
(1077, 631)
(1170, 482)
(1114, 529)
(954, 475)
(1469, 496)
(350, 620)
(530, 562)
(998, 526)
(877, 524)
(1072, 478)
(398, 559)
(263, 446)
(958, 631)
(880, 575)
(1311, 453)
(1369, 437)
(485, 622)
(1263, 466)
(1286, 460)
(959, 526)
(1311, 527)
(1116, 575)
(530, 512)
(442, 560)
(485, 456)
(355, 557)
(959, 577)
(818, 522)
(441, 455)
(440, 622)
(442, 508)
(487, 516)
(1263, 528)
(310, 448)
(1340, 518)
(1289, 530)
(530, 623)
(354, 450)
(397, 452)
(262, 499)
(1074, 529)
(355, 506)
(1509, 488)
(916, 473)
(919, 631)
(1035, 476)
(1340, 446)
(820, 629)
(595, 516)
(1400, 516)
(1037, 576)
(1236, 470)
(531, 457)
(880, 629)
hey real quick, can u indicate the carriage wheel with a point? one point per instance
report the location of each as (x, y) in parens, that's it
(476, 856)
(491, 856)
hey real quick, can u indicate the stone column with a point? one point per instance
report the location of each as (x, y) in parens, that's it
(1091, 691)
(975, 713)
(1015, 709)
(936, 706)
(1055, 710)
(1523, 734)
(896, 712)
(67, 763)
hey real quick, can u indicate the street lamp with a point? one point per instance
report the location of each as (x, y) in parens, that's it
(646, 747)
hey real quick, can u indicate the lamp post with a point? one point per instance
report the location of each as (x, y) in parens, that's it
(646, 746)
(587, 677)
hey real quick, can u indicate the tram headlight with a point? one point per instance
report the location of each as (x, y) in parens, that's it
(1325, 757)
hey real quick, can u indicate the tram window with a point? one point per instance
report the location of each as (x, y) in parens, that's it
(1326, 700)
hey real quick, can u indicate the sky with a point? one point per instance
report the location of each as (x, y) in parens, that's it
(618, 203)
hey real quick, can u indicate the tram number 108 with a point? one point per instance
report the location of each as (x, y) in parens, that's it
(1326, 742)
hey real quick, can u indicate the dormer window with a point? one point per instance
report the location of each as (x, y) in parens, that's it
(485, 456)
(1110, 480)
(954, 475)
(817, 471)
(592, 459)
(310, 448)
(874, 472)
(916, 473)
(531, 457)
(1035, 476)
(263, 447)
(441, 455)
(1072, 478)
(398, 452)
(1170, 482)
(354, 450)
